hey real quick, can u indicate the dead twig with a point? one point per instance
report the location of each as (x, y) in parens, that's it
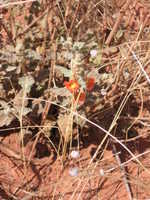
(123, 172)
(34, 22)
(51, 75)
(116, 25)
(4, 5)
(74, 17)
(9, 34)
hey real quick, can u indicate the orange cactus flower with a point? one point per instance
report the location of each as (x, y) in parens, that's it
(82, 97)
(72, 85)
(90, 82)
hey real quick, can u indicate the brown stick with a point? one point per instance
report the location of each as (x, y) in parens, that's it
(123, 173)
(51, 75)
(115, 27)
(74, 17)
(34, 22)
